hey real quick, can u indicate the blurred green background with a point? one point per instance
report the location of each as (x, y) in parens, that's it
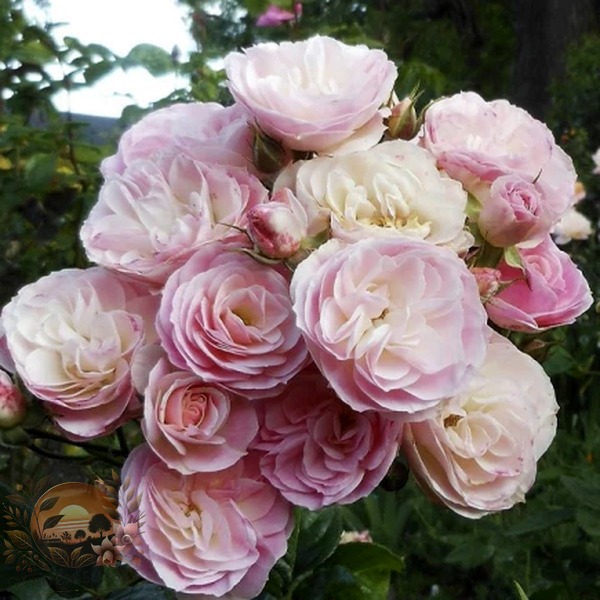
(541, 54)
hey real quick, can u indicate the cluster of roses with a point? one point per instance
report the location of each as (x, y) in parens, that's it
(298, 295)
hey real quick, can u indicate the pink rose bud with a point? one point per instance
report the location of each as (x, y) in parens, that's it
(12, 404)
(488, 281)
(402, 123)
(276, 229)
(513, 213)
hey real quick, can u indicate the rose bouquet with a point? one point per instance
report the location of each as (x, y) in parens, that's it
(294, 291)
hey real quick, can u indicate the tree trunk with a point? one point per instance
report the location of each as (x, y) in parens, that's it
(544, 29)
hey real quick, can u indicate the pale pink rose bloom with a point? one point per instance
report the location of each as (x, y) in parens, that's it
(195, 426)
(13, 406)
(316, 450)
(596, 159)
(476, 141)
(393, 324)
(392, 190)
(229, 320)
(276, 228)
(275, 15)
(554, 294)
(185, 128)
(207, 534)
(6, 361)
(514, 212)
(573, 226)
(478, 452)
(72, 335)
(304, 95)
(150, 220)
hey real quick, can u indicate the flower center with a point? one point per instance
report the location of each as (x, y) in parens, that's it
(451, 420)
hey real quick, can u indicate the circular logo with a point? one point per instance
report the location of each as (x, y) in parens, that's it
(69, 523)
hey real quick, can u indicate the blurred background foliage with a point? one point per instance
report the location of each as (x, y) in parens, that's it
(542, 54)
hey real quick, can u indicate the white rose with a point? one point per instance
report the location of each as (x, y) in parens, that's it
(573, 226)
(391, 190)
(478, 452)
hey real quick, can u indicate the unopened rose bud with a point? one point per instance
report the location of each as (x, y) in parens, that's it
(268, 155)
(12, 404)
(402, 123)
(488, 281)
(276, 230)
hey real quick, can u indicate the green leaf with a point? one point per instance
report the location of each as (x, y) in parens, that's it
(361, 556)
(51, 522)
(473, 208)
(280, 576)
(49, 503)
(319, 536)
(98, 70)
(470, 555)
(585, 492)
(522, 594)
(39, 170)
(338, 582)
(513, 259)
(542, 520)
(152, 58)
(33, 52)
(589, 521)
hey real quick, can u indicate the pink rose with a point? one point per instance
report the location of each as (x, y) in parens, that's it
(275, 15)
(276, 228)
(229, 320)
(195, 426)
(185, 128)
(476, 141)
(478, 452)
(513, 212)
(555, 292)
(13, 406)
(393, 324)
(72, 335)
(304, 95)
(6, 361)
(205, 534)
(151, 219)
(317, 451)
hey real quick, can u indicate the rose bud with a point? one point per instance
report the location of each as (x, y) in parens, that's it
(488, 281)
(403, 122)
(12, 404)
(276, 230)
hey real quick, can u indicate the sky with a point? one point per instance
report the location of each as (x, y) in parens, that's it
(119, 25)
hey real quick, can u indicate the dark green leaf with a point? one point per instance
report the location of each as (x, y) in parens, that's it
(361, 556)
(542, 520)
(470, 555)
(586, 492)
(318, 537)
(589, 521)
